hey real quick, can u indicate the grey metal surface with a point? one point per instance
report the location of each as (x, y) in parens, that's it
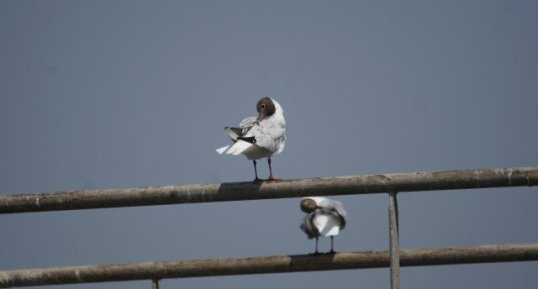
(403, 182)
(263, 265)
(394, 240)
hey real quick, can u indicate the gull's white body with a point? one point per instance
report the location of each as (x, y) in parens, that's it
(269, 135)
(327, 220)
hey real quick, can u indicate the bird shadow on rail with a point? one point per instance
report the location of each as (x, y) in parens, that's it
(313, 261)
(239, 190)
(235, 191)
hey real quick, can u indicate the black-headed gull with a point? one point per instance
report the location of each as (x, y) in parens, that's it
(324, 217)
(259, 137)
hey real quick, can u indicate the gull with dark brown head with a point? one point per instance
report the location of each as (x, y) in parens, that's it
(259, 137)
(324, 217)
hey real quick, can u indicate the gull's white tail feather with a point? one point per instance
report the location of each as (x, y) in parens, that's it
(236, 149)
(222, 149)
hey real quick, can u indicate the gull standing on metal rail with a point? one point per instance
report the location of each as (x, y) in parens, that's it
(324, 217)
(259, 137)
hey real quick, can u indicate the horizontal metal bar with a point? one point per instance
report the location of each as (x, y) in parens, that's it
(381, 183)
(264, 265)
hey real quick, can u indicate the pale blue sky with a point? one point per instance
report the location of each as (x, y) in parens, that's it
(115, 94)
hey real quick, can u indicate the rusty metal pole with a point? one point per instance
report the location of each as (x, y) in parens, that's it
(181, 194)
(266, 265)
(394, 241)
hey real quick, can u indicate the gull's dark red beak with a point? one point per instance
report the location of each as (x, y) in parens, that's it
(261, 116)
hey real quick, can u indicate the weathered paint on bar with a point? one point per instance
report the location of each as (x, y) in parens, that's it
(265, 265)
(179, 194)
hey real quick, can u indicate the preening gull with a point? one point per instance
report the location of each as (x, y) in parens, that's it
(259, 137)
(324, 217)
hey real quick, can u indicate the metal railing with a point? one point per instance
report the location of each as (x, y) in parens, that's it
(380, 183)
(266, 265)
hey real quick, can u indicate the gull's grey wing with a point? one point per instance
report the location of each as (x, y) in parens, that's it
(269, 136)
(245, 125)
(247, 122)
(233, 132)
(308, 227)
